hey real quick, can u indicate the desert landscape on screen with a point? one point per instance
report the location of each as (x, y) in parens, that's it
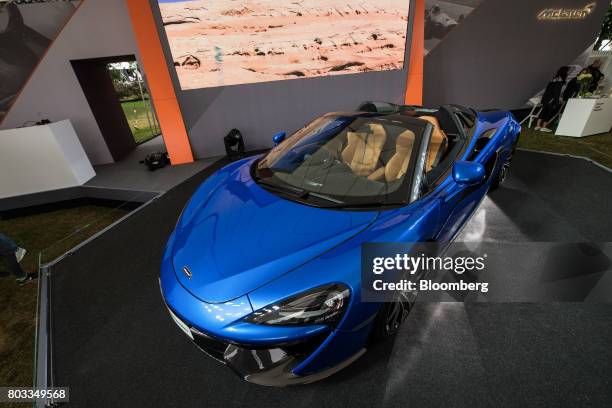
(229, 42)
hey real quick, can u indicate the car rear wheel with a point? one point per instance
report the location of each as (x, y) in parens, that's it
(503, 170)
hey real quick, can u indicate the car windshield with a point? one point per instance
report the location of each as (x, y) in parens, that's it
(338, 161)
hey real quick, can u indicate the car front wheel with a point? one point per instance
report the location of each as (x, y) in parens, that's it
(391, 316)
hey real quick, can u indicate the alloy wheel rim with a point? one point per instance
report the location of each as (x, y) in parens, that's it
(505, 167)
(394, 318)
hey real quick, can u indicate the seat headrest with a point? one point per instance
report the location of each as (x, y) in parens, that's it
(431, 119)
(377, 129)
(405, 139)
(438, 135)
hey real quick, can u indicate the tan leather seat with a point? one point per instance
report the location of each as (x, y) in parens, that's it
(362, 151)
(437, 144)
(398, 164)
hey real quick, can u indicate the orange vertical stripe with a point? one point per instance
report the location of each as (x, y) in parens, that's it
(160, 83)
(414, 85)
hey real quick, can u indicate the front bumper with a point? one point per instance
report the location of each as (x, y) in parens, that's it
(270, 365)
(266, 355)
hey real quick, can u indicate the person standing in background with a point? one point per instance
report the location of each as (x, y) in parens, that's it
(573, 88)
(551, 100)
(593, 69)
(13, 254)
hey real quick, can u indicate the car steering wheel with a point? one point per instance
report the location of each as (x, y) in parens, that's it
(325, 158)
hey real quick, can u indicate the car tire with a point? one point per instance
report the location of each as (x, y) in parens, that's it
(389, 319)
(502, 173)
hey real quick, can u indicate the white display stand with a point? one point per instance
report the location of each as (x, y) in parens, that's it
(584, 117)
(41, 158)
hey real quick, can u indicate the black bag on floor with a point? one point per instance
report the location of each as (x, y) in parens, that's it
(234, 145)
(156, 160)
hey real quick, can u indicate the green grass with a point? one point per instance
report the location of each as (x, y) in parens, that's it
(136, 114)
(51, 233)
(596, 147)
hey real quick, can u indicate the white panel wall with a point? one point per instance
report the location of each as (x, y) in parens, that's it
(99, 28)
(41, 158)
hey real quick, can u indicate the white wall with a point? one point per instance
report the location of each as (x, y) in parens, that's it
(99, 28)
(41, 158)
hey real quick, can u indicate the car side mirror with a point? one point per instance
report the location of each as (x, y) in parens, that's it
(278, 138)
(468, 173)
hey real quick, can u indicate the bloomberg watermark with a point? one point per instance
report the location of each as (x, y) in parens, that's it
(421, 265)
(486, 271)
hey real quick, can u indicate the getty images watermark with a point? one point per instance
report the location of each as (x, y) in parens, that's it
(390, 269)
(418, 268)
(487, 272)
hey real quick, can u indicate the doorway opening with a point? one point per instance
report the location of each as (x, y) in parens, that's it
(122, 107)
(133, 96)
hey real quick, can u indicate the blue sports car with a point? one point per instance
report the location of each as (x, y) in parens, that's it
(262, 271)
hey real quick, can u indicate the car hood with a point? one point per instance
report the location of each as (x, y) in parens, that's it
(240, 236)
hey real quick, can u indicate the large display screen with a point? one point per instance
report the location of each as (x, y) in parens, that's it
(230, 42)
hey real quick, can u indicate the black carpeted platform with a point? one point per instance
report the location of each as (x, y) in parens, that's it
(115, 345)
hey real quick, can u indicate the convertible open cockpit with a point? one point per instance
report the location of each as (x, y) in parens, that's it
(365, 157)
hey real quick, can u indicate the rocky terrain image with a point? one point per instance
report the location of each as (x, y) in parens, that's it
(229, 42)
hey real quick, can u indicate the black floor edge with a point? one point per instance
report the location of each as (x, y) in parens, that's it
(43, 368)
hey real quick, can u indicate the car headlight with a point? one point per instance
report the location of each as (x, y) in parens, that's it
(324, 304)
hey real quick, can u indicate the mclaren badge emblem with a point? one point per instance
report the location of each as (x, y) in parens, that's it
(187, 272)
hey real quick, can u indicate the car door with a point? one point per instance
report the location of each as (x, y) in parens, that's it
(459, 202)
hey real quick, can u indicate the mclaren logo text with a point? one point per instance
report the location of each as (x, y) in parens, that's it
(566, 14)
